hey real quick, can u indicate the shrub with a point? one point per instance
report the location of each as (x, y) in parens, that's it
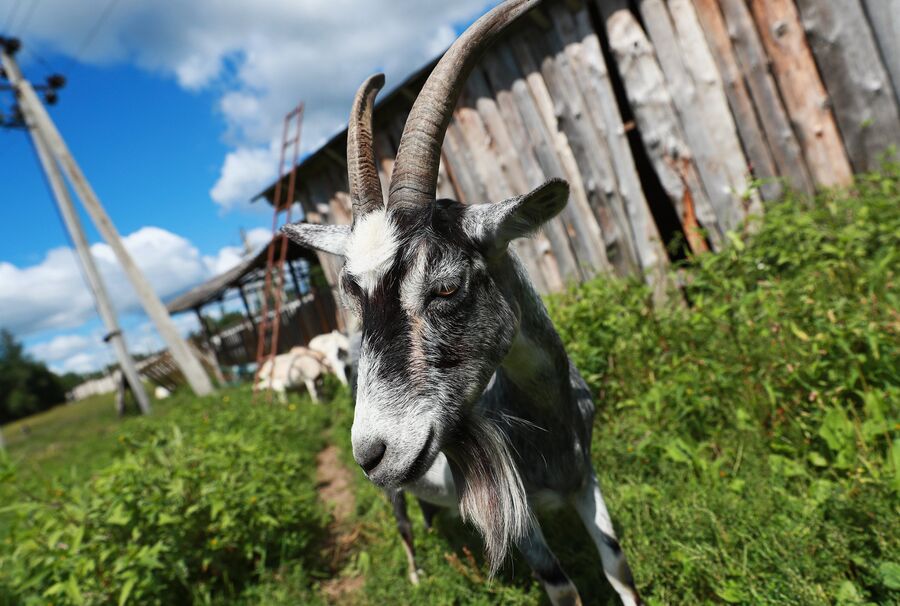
(196, 506)
(749, 440)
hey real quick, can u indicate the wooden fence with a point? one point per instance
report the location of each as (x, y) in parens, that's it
(663, 115)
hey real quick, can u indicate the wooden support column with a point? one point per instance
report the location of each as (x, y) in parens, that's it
(754, 65)
(659, 125)
(804, 95)
(858, 84)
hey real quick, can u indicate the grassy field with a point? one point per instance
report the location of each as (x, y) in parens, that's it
(748, 445)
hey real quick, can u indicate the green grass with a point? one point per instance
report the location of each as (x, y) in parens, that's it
(748, 443)
(69, 440)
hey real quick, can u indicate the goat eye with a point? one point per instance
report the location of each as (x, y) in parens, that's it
(445, 291)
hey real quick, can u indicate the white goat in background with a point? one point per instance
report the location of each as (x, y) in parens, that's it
(336, 349)
(299, 366)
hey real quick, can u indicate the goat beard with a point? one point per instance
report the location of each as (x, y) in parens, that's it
(489, 487)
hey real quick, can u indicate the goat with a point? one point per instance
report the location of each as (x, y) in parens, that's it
(465, 392)
(298, 366)
(336, 348)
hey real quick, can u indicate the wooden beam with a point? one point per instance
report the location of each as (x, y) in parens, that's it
(858, 84)
(754, 65)
(696, 88)
(884, 17)
(804, 95)
(659, 124)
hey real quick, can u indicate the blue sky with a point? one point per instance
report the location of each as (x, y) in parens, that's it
(173, 111)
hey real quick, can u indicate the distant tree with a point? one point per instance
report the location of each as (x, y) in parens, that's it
(26, 385)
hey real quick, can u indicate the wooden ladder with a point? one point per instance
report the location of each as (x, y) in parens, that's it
(273, 290)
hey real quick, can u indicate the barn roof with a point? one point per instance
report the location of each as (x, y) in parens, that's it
(214, 288)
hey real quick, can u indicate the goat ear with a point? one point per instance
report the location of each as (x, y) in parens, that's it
(326, 238)
(494, 226)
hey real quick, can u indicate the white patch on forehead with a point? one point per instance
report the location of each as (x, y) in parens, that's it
(371, 249)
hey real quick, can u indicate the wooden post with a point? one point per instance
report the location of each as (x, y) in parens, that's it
(91, 273)
(884, 16)
(858, 84)
(204, 328)
(247, 306)
(294, 279)
(749, 128)
(584, 45)
(754, 65)
(802, 90)
(57, 147)
(696, 88)
(659, 124)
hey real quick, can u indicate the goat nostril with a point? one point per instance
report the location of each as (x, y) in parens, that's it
(372, 457)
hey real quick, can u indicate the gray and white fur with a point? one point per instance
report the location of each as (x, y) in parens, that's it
(465, 395)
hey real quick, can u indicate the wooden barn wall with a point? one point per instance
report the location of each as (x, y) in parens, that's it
(656, 112)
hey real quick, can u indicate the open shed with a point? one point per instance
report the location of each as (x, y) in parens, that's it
(308, 308)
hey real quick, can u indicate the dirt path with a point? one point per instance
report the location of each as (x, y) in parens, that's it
(334, 482)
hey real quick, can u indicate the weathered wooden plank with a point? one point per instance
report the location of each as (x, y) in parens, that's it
(461, 164)
(508, 156)
(590, 158)
(696, 89)
(754, 65)
(650, 250)
(884, 17)
(649, 247)
(506, 74)
(794, 67)
(587, 116)
(751, 131)
(583, 229)
(385, 152)
(659, 125)
(317, 202)
(557, 259)
(488, 170)
(862, 95)
(341, 205)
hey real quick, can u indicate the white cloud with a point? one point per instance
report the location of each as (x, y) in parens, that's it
(245, 172)
(79, 353)
(51, 295)
(261, 57)
(60, 347)
(229, 256)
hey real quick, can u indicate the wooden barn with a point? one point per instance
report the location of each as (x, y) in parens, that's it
(672, 120)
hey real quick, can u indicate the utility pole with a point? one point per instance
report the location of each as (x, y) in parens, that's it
(95, 282)
(46, 135)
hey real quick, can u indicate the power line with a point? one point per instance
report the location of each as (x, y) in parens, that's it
(12, 14)
(27, 17)
(39, 58)
(107, 11)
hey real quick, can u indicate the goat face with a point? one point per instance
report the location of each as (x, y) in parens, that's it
(418, 273)
(434, 328)
(435, 323)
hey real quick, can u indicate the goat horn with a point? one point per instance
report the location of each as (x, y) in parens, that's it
(414, 179)
(365, 186)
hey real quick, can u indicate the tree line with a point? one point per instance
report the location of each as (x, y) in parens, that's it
(27, 386)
